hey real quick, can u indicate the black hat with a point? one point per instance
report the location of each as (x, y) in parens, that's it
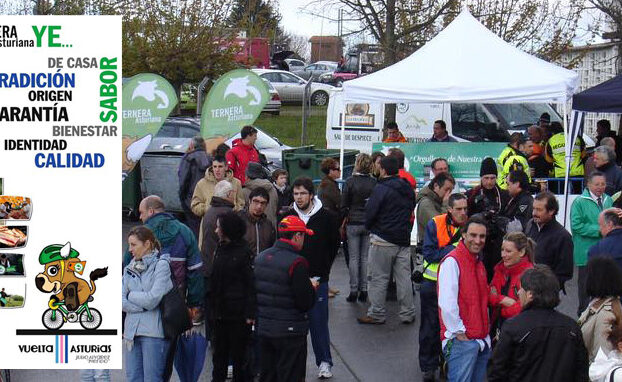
(545, 117)
(489, 167)
(255, 171)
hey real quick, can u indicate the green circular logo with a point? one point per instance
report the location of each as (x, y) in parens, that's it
(78, 267)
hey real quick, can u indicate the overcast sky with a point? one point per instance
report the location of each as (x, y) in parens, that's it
(299, 22)
(296, 20)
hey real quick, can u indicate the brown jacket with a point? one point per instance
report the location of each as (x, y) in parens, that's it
(596, 322)
(260, 233)
(329, 194)
(251, 184)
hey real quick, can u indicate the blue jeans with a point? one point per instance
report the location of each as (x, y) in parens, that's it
(147, 359)
(465, 361)
(318, 326)
(95, 375)
(358, 246)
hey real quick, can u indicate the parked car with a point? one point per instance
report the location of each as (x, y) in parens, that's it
(291, 87)
(274, 103)
(159, 164)
(314, 71)
(294, 64)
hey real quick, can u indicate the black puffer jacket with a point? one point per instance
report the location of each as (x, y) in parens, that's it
(389, 210)
(539, 345)
(356, 191)
(232, 285)
(191, 169)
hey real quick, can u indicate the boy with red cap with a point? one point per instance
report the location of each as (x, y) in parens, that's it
(285, 294)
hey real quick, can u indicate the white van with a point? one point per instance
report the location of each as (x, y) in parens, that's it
(467, 122)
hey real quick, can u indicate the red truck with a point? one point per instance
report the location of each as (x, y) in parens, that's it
(254, 52)
(362, 60)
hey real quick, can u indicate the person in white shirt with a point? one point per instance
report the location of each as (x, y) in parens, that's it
(463, 306)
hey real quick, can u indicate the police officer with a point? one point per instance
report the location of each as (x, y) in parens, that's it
(555, 153)
(442, 233)
(516, 161)
(511, 149)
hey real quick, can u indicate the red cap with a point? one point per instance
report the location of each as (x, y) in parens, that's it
(293, 223)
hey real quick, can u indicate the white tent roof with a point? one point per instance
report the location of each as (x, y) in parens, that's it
(465, 63)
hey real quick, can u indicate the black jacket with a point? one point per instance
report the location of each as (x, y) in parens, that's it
(232, 283)
(613, 177)
(539, 345)
(321, 248)
(520, 207)
(482, 200)
(554, 248)
(210, 239)
(191, 169)
(389, 210)
(285, 200)
(356, 191)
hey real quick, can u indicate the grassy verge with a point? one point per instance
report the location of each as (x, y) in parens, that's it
(287, 127)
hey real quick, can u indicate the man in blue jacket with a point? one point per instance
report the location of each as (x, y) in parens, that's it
(610, 223)
(388, 218)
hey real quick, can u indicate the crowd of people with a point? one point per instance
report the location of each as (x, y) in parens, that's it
(254, 259)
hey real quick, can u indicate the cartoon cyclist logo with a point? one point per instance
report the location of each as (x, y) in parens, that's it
(70, 293)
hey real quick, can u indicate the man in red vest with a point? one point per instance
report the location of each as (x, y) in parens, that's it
(442, 235)
(463, 306)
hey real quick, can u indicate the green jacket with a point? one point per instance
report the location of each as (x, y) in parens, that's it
(584, 224)
(179, 242)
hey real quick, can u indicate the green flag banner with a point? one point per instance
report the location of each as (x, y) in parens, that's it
(235, 100)
(464, 158)
(147, 100)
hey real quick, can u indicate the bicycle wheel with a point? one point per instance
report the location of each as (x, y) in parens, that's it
(94, 322)
(50, 323)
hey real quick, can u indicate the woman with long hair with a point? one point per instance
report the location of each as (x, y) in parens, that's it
(356, 191)
(517, 253)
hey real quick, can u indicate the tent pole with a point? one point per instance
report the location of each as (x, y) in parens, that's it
(342, 122)
(568, 156)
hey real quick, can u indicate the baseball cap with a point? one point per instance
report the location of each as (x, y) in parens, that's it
(293, 223)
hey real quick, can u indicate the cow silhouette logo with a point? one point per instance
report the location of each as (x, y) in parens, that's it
(70, 294)
(148, 90)
(241, 88)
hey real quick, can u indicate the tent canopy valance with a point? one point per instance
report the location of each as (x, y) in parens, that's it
(602, 98)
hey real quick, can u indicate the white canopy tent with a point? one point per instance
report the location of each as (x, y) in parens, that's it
(467, 63)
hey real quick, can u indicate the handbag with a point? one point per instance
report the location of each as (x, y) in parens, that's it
(174, 312)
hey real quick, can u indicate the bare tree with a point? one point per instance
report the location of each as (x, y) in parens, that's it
(541, 27)
(399, 26)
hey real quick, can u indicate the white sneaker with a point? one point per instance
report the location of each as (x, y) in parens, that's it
(325, 371)
(229, 372)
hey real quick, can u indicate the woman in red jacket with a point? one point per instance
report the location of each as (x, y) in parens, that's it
(516, 257)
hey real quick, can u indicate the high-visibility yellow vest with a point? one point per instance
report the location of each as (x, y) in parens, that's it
(558, 150)
(507, 152)
(444, 233)
(513, 163)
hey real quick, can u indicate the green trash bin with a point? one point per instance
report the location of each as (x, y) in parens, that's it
(306, 160)
(131, 194)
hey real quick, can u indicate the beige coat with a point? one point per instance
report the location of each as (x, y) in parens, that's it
(596, 322)
(204, 191)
